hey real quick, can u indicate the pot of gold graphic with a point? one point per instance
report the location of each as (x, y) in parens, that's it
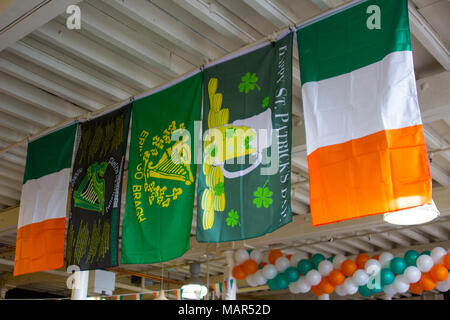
(248, 137)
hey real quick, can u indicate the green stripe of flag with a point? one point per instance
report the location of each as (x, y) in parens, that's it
(343, 43)
(50, 154)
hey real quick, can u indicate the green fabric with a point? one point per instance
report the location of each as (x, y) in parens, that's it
(343, 43)
(160, 192)
(50, 154)
(239, 200)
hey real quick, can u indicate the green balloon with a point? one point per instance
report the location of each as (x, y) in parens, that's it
(330, 259)
(411, 257)
(304, 266)
(427, 252)
(377, 289)
(281, 281)
(386, 277)
(365, 291)
(398, 265)
(316, 259)
(292, 274)
(272, 284)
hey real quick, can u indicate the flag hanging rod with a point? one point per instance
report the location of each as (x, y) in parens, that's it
(244, 50)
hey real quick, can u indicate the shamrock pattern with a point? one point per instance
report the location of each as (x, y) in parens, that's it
(263, 196)
(249, 82)
(233, 219)
(266, 102)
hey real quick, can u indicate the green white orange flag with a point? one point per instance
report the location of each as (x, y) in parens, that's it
(43, 203)
(365, 141)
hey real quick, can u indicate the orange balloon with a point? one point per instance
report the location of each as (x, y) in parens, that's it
(376, 257)
(348, 268)
(361, 260)
(274, 255)
(239, 273)
(416, 288)
(427, 282)
(439, 272)
(325, 286)
(289, 256)
(250, 266)
(446, 260)
(336, 277)
(316, 290)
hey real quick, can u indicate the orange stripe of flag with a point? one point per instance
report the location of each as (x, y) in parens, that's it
(40, 246)
(382, 172)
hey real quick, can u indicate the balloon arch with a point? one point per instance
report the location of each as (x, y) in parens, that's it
(414, 272)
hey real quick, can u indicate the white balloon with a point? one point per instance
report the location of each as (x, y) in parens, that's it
(424, 263)
(340, 290)
(443, 286)
(295, 259)
(240, 256)
(259, 277)
(350, 287)
(325, 268)
(282, 264)
(337, 261)
(400, 285)
(437, 254)
(293, 288)
(303, 285)
(360, 277)
(269, 271)
(372, 267)
(256, 255)
(412, 274)
(313, 278)
(390, 290)
(251, 280)
(385, 259)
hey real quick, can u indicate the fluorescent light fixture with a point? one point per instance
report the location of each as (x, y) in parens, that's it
(413, 216)
(194, 291)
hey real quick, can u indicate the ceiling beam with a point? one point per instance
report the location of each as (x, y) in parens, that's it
(26, 112)
(426, 35)
(29, 49)
(9, 193)
(273, 12)
(33, 18)
(50, 82)
(37, 97)
(152, 17)
(98, 55)
(137, 44)
(215, 15)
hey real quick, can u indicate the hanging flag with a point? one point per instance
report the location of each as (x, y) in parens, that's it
(118, 297)
(137, 296)
(92, 235)
(43, 203)
(365, 142)
(244, 185)
(161, 174)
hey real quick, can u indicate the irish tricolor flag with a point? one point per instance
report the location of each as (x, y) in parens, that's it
(365, 141)
(43, 203)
